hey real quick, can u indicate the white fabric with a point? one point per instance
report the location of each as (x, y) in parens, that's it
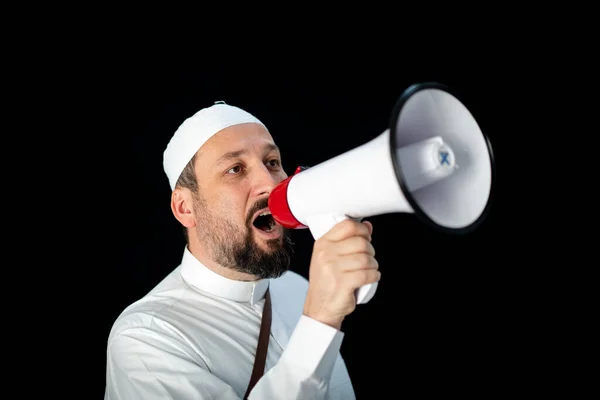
(195, 131)
(195, 334)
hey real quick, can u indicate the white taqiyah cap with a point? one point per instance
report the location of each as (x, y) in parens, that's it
(195, 131)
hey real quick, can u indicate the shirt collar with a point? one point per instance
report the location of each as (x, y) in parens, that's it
(200, 277)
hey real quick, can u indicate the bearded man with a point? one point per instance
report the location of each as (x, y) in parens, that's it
(199, 333)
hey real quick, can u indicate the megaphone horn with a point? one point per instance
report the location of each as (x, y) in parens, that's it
(433, 161)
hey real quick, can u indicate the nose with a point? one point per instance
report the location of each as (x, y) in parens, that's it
(264, 180)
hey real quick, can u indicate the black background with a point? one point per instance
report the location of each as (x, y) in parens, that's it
(448, 316)
(94, 94)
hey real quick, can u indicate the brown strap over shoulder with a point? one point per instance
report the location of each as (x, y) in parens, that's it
(263, 345)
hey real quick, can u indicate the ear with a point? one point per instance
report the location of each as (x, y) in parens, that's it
(182, 207)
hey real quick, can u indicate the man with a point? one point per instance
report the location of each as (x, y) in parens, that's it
(195, 335)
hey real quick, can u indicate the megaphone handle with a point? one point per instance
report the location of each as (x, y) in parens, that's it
(318, 226)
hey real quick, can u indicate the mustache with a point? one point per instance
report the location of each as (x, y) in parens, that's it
(259, 205)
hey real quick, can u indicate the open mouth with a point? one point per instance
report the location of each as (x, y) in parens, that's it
(265, 222)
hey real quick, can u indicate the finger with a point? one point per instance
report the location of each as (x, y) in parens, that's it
(370, 226)
(355, 244)
(361, 277)
(347, 228)
(354, 262)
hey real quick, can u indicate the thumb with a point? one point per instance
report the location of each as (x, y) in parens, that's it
(369, 226)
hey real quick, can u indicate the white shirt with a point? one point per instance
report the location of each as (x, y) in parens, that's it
(194, 336)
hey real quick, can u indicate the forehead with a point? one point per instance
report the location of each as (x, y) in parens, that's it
(250, 137)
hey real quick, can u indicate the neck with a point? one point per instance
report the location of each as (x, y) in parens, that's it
(205, 258)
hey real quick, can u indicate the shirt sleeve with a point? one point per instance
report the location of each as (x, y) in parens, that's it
(305, 367)
(141, 364)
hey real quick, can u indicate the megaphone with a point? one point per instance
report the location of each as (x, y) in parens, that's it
(433, 161)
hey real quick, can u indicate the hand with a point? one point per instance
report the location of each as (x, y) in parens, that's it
(343, 260)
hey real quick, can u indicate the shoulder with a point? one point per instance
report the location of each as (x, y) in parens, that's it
(147, 315)
(156, 327)
(155, 312)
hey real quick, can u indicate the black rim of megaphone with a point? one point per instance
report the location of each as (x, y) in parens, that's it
(411, 90)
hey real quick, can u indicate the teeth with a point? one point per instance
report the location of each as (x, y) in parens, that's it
(265, 213)
(271, 226)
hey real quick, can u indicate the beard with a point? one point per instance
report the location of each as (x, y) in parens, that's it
(236, 249)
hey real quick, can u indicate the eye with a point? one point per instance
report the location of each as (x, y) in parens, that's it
(274, 163)
(235, 170)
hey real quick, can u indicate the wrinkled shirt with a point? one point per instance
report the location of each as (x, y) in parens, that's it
(194, 336)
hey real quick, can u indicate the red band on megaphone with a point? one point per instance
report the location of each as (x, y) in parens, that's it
(279, 207)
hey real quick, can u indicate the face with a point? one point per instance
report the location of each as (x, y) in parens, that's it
(236, 169)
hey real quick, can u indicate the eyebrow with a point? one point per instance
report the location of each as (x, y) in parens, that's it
(236, 154)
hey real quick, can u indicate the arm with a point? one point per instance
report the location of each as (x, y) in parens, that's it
(342, 261)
